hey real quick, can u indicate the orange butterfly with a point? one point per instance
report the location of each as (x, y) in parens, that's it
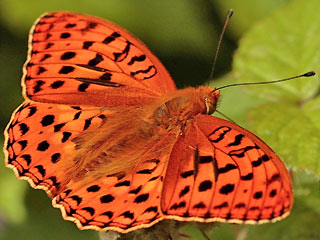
(104, 131)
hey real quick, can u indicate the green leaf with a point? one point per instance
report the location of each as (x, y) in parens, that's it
(281, 46)
(312, 110)
(12, 195)
(306, 188)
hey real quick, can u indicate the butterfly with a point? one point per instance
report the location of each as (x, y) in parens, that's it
(104, 131)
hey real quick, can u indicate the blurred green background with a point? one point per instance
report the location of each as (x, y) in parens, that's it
(265, 40)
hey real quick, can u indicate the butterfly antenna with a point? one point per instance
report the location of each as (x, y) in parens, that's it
(308, 74)
(225, 116)
(229, 14)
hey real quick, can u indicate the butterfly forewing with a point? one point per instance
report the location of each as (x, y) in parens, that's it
(79, 59)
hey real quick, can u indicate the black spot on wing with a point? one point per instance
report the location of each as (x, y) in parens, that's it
(83, 87)
(205, 185)
(65, 35)
(70, 25)
(111, 38)
(45, 57)
(227, 168)
(49, 45)
(57, 84)
(134, 59)
(127, 214)
(67, 55)
(87, 44)
(120, 56)
(66, 136)
(151, 209)
(256, 163)
(41, 170)
(145, 71)
(58, 127)
(77, 115)
(141, 198)
(66, 70)
(90, 25)
(93, 188)
(43, 146)
(222, 205)
(240, 205)
(265, 158)
(109, 214)
(55, 157)
(47, 120)
(76, 198)
(178, 205)
(223, 129)
(27, 158)
(184, 191)
(275, 177)
(247, 177)
(87, 123)
(257, 195)
(90, 210)
(23, 128)
(96, 60)
(123, 183)
(187, 174)
(41, 70)
(32, 110)
(226, 189)
(136, 191)
(38, 86)
(205, 159)
(107, 198)
(237, 140)
(200, 205)
(240, 152)
(48, 35)
(273, 193)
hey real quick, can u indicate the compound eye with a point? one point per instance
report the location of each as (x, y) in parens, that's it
(210, 107)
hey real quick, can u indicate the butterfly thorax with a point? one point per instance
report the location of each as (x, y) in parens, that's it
(178, 109)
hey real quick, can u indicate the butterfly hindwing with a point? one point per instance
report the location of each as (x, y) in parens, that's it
(123, 201)
(221, 172)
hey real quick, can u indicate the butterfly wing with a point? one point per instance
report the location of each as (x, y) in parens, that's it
(83, 60)
(39, 140)
(41, 145)
(76, 60)
(121, 202)
(222, 172)
(77, 66)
